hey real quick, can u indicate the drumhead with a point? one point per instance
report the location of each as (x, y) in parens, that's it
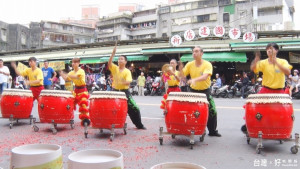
(187, 97)
(269, 98)
(108, 94)
(57, 93)
(17, 92)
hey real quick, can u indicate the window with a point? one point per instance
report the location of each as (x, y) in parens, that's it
(202, 18)
(224, 2)
(3, 32)
(261, 12)
(226, 17)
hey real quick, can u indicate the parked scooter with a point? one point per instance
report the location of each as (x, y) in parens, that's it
(157, 87)
(235, 90)
(133, 88)
(148, 87)
(95, 87)
(56, 86)
(19, 85)
(222, 91)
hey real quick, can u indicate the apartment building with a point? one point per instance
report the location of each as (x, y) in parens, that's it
(3, 36)
(165, 21)
(60, 34)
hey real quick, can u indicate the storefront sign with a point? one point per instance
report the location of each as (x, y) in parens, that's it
(60, 65)
(176, 40)
(189, 35)
(234, 33)
(219, 31)
(204, 31)
(249, 37)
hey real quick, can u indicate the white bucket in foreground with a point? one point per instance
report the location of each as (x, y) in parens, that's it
(177, 165)
(35, 156)
(96, 159)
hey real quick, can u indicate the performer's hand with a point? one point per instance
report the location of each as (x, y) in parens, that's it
(257, 56)
(13, 65)
(27, 82)
(180, 66)
(191, 82)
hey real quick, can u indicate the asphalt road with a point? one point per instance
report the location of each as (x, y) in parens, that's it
(141, 148)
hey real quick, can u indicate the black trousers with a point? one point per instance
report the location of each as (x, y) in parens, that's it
(212, 114)
(133, 110)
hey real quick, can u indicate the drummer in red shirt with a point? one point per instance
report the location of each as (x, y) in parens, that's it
(274, 71)
(35, 76)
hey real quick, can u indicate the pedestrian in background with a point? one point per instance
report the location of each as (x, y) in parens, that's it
(141, 83)
(48, 73)
(4, 73)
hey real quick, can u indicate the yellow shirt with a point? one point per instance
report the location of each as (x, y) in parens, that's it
(119, 77)
(272, 76)
(173, 81)
(37, 74)
(81, 74)
(141, 80)
(205, 68)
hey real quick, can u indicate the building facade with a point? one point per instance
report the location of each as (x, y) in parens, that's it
(165, 21)
(55, 34)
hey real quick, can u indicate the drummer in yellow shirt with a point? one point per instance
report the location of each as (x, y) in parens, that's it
(274, 71)
(121, 80)
(35, 76)
(80, 92)
(171, 77)
(200, 71)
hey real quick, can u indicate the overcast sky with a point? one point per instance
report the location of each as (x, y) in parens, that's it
(24, 11)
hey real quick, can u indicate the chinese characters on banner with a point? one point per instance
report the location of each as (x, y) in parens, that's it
(204, 31)
(249, 37)
(234, 33)
(189, 35)
(176, 40)
(219, 31)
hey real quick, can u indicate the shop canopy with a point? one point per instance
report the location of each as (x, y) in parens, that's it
(218, 57)
(105, 59)
(166, 50)
(264, 44)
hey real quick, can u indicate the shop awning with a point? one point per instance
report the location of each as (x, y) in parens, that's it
(105, 59)
(218, 57)
(129, 58)
(166, 50)
(264, 44)
(90, 60)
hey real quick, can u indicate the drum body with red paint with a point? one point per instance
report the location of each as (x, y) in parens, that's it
(270, 113)
(56, 105)
(186, 112)
(16, 103)
(108, 108)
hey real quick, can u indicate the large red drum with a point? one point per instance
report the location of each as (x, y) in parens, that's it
(272, 114)
(16, 103)
(186, 112)
(107, 108)
(56, 105)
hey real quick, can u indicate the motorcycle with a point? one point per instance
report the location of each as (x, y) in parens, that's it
(19, 85)
(95, 87)
(56, 86)
(133, 88)
(148, 87)
(157, 87)
(235, 90)
(222, 91)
